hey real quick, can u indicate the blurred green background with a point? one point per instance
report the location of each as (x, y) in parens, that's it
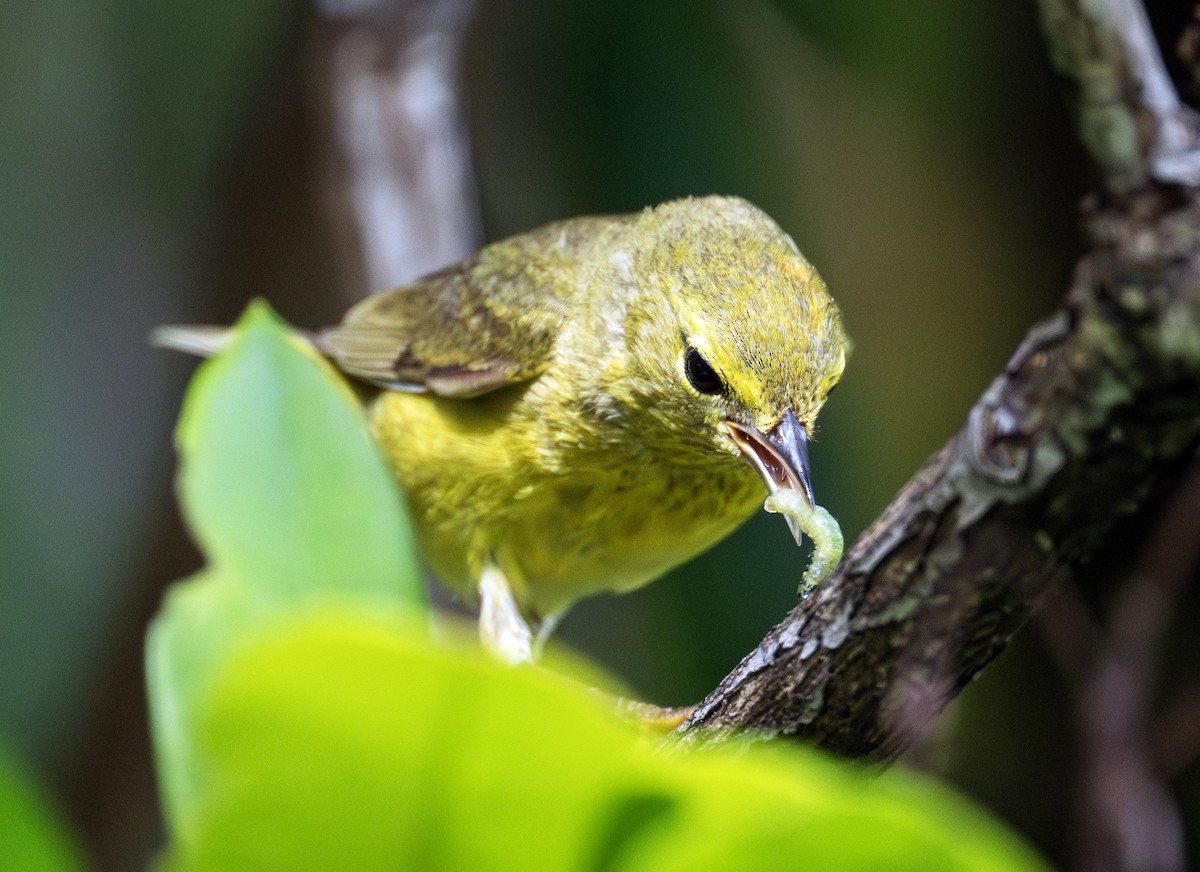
(157, 164)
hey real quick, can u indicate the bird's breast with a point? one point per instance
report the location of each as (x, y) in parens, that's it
(565, 516)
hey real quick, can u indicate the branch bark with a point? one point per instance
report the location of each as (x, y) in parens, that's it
(1098, 408)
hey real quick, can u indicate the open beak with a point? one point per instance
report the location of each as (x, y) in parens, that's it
(779, 456)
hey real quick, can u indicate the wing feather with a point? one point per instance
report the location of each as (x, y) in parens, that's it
(471, 328)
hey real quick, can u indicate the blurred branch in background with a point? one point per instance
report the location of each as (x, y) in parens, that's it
(1130, 117)
(401, 194)
(1128, 818)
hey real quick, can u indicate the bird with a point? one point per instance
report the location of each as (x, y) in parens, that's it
(581, 407)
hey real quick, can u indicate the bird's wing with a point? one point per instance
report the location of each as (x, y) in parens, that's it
(471, 328)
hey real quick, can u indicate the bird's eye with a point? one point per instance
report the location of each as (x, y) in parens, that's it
(701, 375)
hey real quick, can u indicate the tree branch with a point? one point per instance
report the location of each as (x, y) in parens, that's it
(1130, 117)
(1098, 407)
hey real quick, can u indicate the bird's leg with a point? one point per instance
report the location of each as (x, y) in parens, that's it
(502, 628)
(543, 628)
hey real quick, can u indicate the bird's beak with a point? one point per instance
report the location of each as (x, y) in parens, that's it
(779, 456)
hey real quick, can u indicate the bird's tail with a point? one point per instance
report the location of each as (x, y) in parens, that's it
(199, 339)
(205, 340)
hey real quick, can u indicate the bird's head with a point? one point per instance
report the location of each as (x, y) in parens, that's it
(734, 342)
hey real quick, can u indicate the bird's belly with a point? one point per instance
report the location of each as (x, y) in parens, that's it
(577, 539)
(599, 524)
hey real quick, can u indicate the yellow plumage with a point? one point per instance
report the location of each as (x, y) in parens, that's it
(561, 520)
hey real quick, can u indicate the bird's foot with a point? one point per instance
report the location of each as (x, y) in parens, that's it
(503, 630)
(654, 719)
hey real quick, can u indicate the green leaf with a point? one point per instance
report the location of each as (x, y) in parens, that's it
(280, 480)
(201, 621)
(32, 838)
(289, 498)
(345, 740)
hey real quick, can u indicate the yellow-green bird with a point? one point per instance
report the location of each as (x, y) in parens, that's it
(582, 407)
